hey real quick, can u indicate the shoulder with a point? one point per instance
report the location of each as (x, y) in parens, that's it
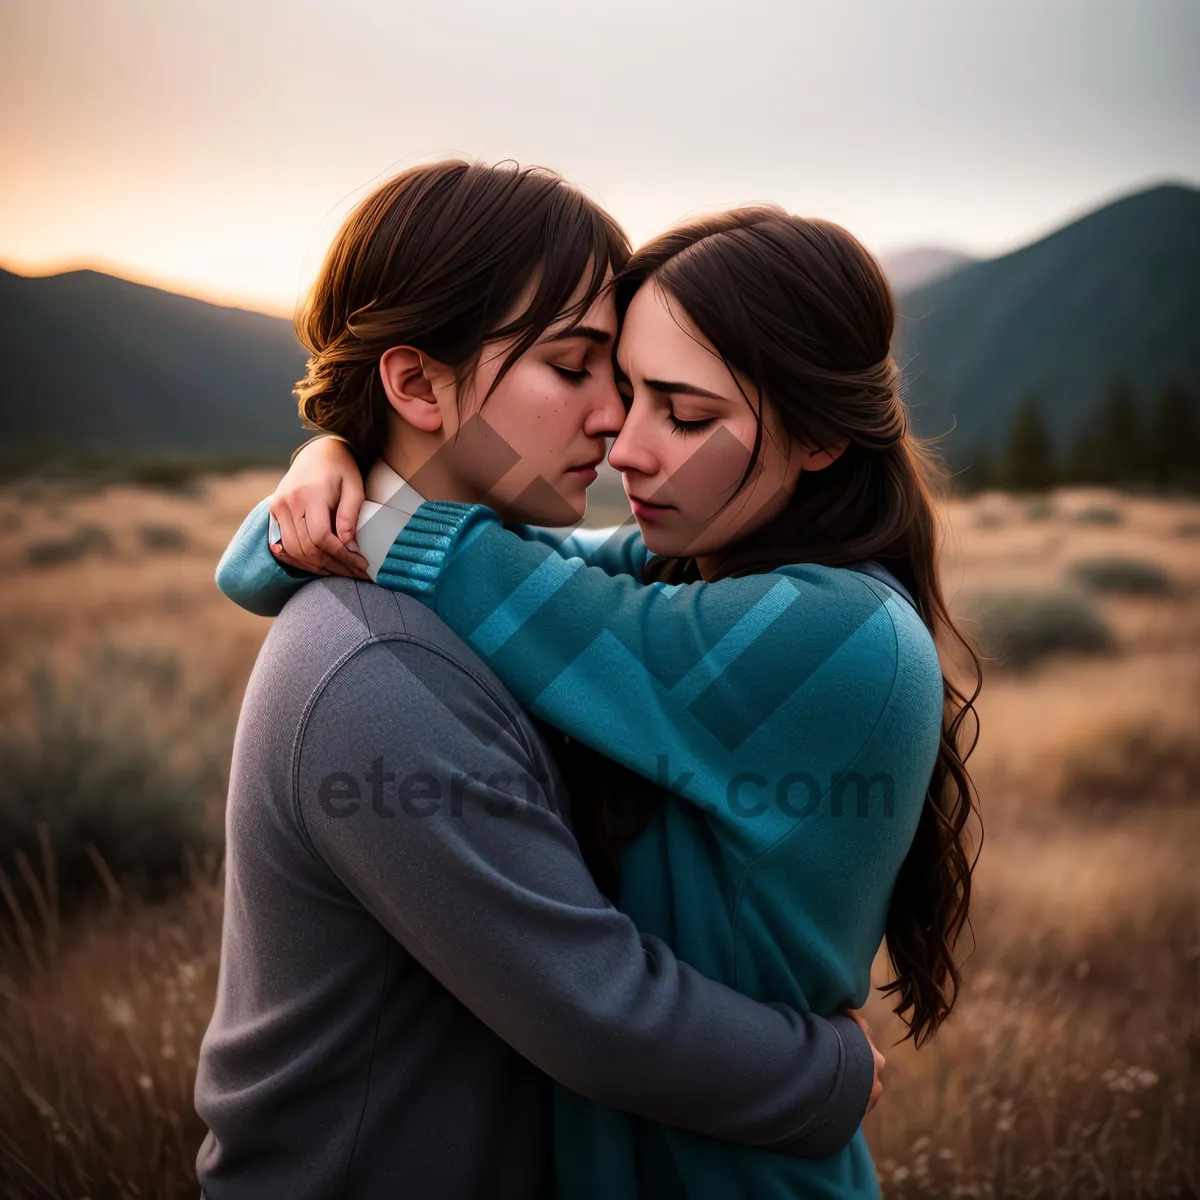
(916, 650)
(836, 604)
(833, 584)
(415, 718)
(870, 626)
(917, 687)
(332, 621)
(361, 634)
(380, 670)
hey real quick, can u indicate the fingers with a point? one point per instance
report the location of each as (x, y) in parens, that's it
(308, 549)
(298, 549)
(322, 481)
(285, 558)
(325, 540)
(860, 1020)
(349, 504)
(326, 564)
(287, 533)
(304, 562)
(878, 1060)
(877, 1085)
(340, 561)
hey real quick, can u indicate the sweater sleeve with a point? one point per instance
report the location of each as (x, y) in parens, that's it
(643, 673)
(616, 550)
(250, 575)
(254, 579)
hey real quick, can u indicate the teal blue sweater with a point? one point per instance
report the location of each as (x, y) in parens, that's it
(794, 717)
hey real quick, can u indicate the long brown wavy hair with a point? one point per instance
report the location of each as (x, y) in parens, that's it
(436, 258)
(805, 312)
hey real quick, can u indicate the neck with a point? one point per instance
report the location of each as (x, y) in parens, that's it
(426, 464)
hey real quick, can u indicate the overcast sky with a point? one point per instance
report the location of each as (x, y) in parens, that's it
(214, 144)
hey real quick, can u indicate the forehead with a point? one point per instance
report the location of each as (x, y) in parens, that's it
(659, 341)
(600, 314)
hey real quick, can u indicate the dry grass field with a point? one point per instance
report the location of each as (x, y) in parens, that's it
(1070, 1068)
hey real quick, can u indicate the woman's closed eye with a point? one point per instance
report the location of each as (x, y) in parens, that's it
(689, 427)
(572, 374)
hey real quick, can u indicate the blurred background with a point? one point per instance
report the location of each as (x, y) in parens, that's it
(1027, 174)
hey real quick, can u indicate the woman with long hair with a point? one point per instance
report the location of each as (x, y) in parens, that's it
(764, 753)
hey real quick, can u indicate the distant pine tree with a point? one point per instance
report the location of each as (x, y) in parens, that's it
(1083, 463)
(980, 473)
(1028, 463)
(1174, 441)
(1120, 445)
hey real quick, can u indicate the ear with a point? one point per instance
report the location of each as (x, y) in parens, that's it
(411, 380)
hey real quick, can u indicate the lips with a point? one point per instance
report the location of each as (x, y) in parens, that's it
(587, 466)
(648, 503)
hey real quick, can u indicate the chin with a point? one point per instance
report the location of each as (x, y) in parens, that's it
(656, 542)
(542, 504)
(676, 543)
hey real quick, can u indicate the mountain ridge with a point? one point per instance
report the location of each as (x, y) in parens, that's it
(1113, 292)
(915, 266)
(95, 363)
(100, 364)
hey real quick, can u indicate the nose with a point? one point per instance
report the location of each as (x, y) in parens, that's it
(607, 414)
(632, 450)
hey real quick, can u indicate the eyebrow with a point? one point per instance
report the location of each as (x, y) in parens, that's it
(687, 389)
(591, 332)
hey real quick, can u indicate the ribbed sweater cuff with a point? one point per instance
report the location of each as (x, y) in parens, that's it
(424, 545)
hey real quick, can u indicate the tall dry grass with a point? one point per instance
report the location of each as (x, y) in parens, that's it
(102, 1022)
(1071, 1065)
(1069, 1069)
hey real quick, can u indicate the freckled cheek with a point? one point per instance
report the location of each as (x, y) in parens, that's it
(536, 426)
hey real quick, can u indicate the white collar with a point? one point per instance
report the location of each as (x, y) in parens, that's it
(391, 501)
(385, 486)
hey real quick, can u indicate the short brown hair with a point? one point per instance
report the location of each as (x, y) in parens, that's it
(435, 258)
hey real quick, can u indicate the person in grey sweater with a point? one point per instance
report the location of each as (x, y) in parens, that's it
(413, 950)
(413, 947)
